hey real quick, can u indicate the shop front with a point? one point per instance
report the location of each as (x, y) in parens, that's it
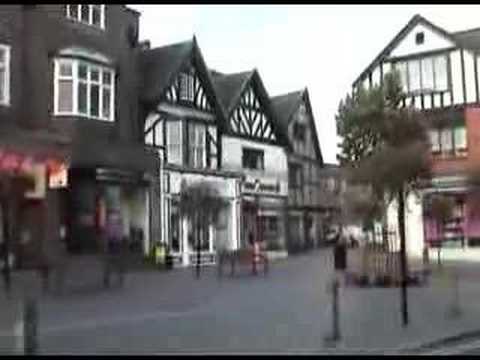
(29, 182)
(264, 204)
(179, 231)
(101, 196)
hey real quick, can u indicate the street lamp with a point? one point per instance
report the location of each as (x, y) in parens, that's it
(257, 217)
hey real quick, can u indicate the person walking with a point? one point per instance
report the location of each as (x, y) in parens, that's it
(114, 249)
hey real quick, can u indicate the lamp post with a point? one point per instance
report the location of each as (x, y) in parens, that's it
(257, 218)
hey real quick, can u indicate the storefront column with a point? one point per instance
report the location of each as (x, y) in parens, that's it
(185, 253)
(235, 225)
(147, 223)
(211, 237)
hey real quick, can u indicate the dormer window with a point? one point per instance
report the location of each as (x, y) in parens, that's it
(419, 38)
(93, 15)
(186, 87)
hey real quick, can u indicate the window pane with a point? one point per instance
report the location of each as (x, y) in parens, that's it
(460, 137)
(402, 69)
(84, 13)
(73, 11)
(446, 140)
(82, 71)
(94, 74)
(94, 100)
(427, 74)
(96, 11)
(174, 144)
(106, 103)
(414, 75)
(65, 68)
(107, 77)
(82, 98)
(435, 144)
(2, 56)
(2, 85)
(65, 95)
(441, 73)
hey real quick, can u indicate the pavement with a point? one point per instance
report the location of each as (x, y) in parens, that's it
(288, 311)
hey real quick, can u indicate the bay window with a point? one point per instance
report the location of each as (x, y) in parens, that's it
(424, 75)
(88, 14)
(83, 89)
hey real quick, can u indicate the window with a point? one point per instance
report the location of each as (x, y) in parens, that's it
(83, 89)
(299, 131)
(424, 75)
(186, 87)
(253, 159)
(88, 14)
(174, 142)
(269, 225)
(449, 141)
(295, 176)
(419, 38)
(197, 142)
(4, 74)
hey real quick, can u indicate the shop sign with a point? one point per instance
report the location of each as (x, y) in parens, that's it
(258, 186)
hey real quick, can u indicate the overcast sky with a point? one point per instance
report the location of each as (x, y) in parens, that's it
(323, 47)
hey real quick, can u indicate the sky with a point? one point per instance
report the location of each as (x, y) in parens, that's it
(322, 47)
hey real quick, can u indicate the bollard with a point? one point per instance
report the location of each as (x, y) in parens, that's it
(455, 306)
(335, 336)
(30, 326)
(336, 328)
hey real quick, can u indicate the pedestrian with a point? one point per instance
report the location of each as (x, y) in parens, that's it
(6, 273)
(113, 258)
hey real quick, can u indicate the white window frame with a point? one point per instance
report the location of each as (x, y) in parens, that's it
(187, 88)
(6, 85)
(179, 143)
(90, 14)
(75, 62)
(405, 74)
(199, 144)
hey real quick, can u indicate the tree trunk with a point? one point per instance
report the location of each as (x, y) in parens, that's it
(403, 255)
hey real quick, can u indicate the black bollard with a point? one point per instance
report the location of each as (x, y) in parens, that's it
(30, 324)
(336, 327)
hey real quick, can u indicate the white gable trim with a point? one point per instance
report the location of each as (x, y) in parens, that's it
(433, 41)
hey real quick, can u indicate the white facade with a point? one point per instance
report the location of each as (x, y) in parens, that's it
(463, 79)
(224, 234)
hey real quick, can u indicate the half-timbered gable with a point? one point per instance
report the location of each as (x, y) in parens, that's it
(183, 113)
(247, 107)
(438, 69)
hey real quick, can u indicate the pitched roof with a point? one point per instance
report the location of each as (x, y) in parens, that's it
(469, 39)
(158, 65)
(284, 106)
(416, 19)
(229, 87)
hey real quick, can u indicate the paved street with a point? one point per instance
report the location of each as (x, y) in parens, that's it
(287, 311)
